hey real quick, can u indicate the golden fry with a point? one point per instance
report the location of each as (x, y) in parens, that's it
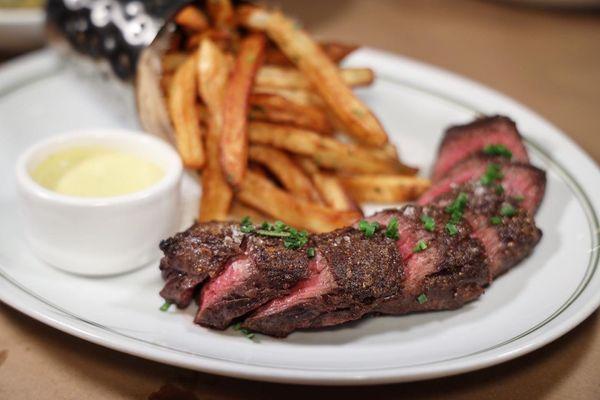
(384, 188)
(335, 51)
(265, 196)
(307, 164)
(239, 211)
(286, 171)
(277, 109)
(191, 18)
(172, 61)
(389, 153)
(234, 136)
(289, 78)
(221, 13)
(213, 70)
(329, 186)
(323, 74)
(325, 151)
(300, 97)
(186, 122)
(333, 192)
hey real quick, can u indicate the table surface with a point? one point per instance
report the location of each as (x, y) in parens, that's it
(547, 59)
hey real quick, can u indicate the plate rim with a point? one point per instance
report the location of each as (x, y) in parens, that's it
(315, 376)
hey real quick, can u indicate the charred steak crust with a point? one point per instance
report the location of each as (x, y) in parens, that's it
(509, 241)
(456, 264)
(273, 270)
(463, 141)
(364, 269)
(359, 271)
(192, 256)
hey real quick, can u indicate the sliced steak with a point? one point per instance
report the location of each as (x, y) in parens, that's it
(508, 239)
(519, 180)
(192, 256)
(266, 270)
(463, 141)
(450, 272)
(348, 275)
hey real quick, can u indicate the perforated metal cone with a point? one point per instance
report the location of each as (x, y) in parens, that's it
(113, 33)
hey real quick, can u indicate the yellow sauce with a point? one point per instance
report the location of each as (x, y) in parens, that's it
(95, 172)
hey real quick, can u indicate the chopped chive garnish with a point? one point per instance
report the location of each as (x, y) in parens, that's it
(508, 210)
(246, 225)
(292, 238)
(518, 198)
(491, 175)
(166, 305)
(499, 189)
(497, 150)
(495, 220)
(311, 252)
(422, 298)
(265, 232)
(296, 239)
(368, 228)
(246, 332)
(457, 207)
(392, 229)
(451, 229)
(428, 222)
(420, 246)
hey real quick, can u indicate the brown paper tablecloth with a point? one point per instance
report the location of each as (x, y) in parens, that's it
(547, 59)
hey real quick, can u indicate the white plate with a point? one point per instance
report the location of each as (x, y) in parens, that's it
(541, 299)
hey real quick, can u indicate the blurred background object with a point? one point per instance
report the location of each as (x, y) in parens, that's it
(21, 25)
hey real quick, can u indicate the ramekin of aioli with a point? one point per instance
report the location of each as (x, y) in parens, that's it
(99, 202)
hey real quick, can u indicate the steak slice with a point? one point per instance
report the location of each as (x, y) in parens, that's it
(450, 272)
(509, 239)
(192, 256)
(266, 270)
(347, 277)
(519, 180)
(463, 141)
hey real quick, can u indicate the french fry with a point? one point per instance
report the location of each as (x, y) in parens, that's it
(258, 192)
(329, 186)
(213, 71)
(234, 135)
(172, 61)
(277, 109)
(300, 97)
(334, 194)
(325, 151)
(384, 188)
(182, 108)
(289, 78)
(335, 51)
(221, 13)
(191, 18)
(219, 37)
(389, 153)
(239, 211)
(323, 74)
(307, 164)
(286, 171)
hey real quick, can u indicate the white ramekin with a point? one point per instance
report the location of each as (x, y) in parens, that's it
(100, 236)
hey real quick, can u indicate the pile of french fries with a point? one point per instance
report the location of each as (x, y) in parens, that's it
(269, 119)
